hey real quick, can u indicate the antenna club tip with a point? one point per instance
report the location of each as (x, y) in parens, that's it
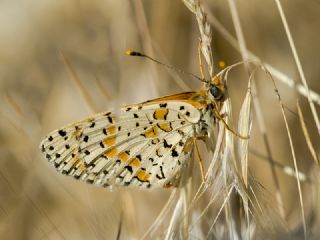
(133, 53)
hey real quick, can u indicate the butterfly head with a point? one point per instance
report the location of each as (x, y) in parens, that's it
(216, 89)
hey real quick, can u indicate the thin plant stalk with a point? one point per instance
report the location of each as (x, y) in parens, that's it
(256, 102)
(314, 96)
(298, 63)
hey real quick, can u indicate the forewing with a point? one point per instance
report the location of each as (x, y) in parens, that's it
(146, 145)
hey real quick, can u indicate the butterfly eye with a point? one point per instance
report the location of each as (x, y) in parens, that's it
(216, 92)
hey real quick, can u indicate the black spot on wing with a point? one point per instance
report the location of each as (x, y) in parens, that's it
(110, 119)
(174, 153)
(163, 105)
(181, 132)
(155, 141)
(129, 168)
(104, 131)
(126, 183)
(89, 180)
(166, 115)
(141, 181)
(62, 133)
(77, 176)
(166, 145)
(161, 176)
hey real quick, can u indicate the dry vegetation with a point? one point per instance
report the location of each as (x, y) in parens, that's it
(63, 60)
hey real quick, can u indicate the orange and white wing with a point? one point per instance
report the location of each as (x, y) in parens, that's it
(145, 146)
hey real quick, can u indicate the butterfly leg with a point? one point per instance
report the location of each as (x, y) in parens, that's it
(200, 61)
(220, 117)
(199, 158)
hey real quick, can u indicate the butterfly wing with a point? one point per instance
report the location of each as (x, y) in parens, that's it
(146, 145)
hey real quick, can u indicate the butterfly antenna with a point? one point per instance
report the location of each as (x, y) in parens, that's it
(139, 54)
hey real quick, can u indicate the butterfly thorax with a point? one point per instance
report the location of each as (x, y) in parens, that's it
(208, 118)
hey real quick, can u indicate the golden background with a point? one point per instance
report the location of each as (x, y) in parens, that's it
(38, 94)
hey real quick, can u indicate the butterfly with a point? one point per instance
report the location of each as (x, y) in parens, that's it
(147, 145)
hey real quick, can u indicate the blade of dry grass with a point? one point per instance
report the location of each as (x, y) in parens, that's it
(315, 97)
(256, 101)
(298, 63)
(179, 222)
(19, 129)
(244, 126)
(74, 76)
(206, 209)
(307, 136)
(286, 169)
(293, 154)
(13, 103)
(177, 212)
(102, 89)
(226, 199)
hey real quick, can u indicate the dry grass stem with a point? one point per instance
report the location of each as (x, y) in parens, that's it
(256, 102)
(279, 75)
(244, 126)
(298, 63)
(307, 136)
(74, 76)
(293, 156)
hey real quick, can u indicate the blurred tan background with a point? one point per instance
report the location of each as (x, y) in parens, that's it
(37, 95)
